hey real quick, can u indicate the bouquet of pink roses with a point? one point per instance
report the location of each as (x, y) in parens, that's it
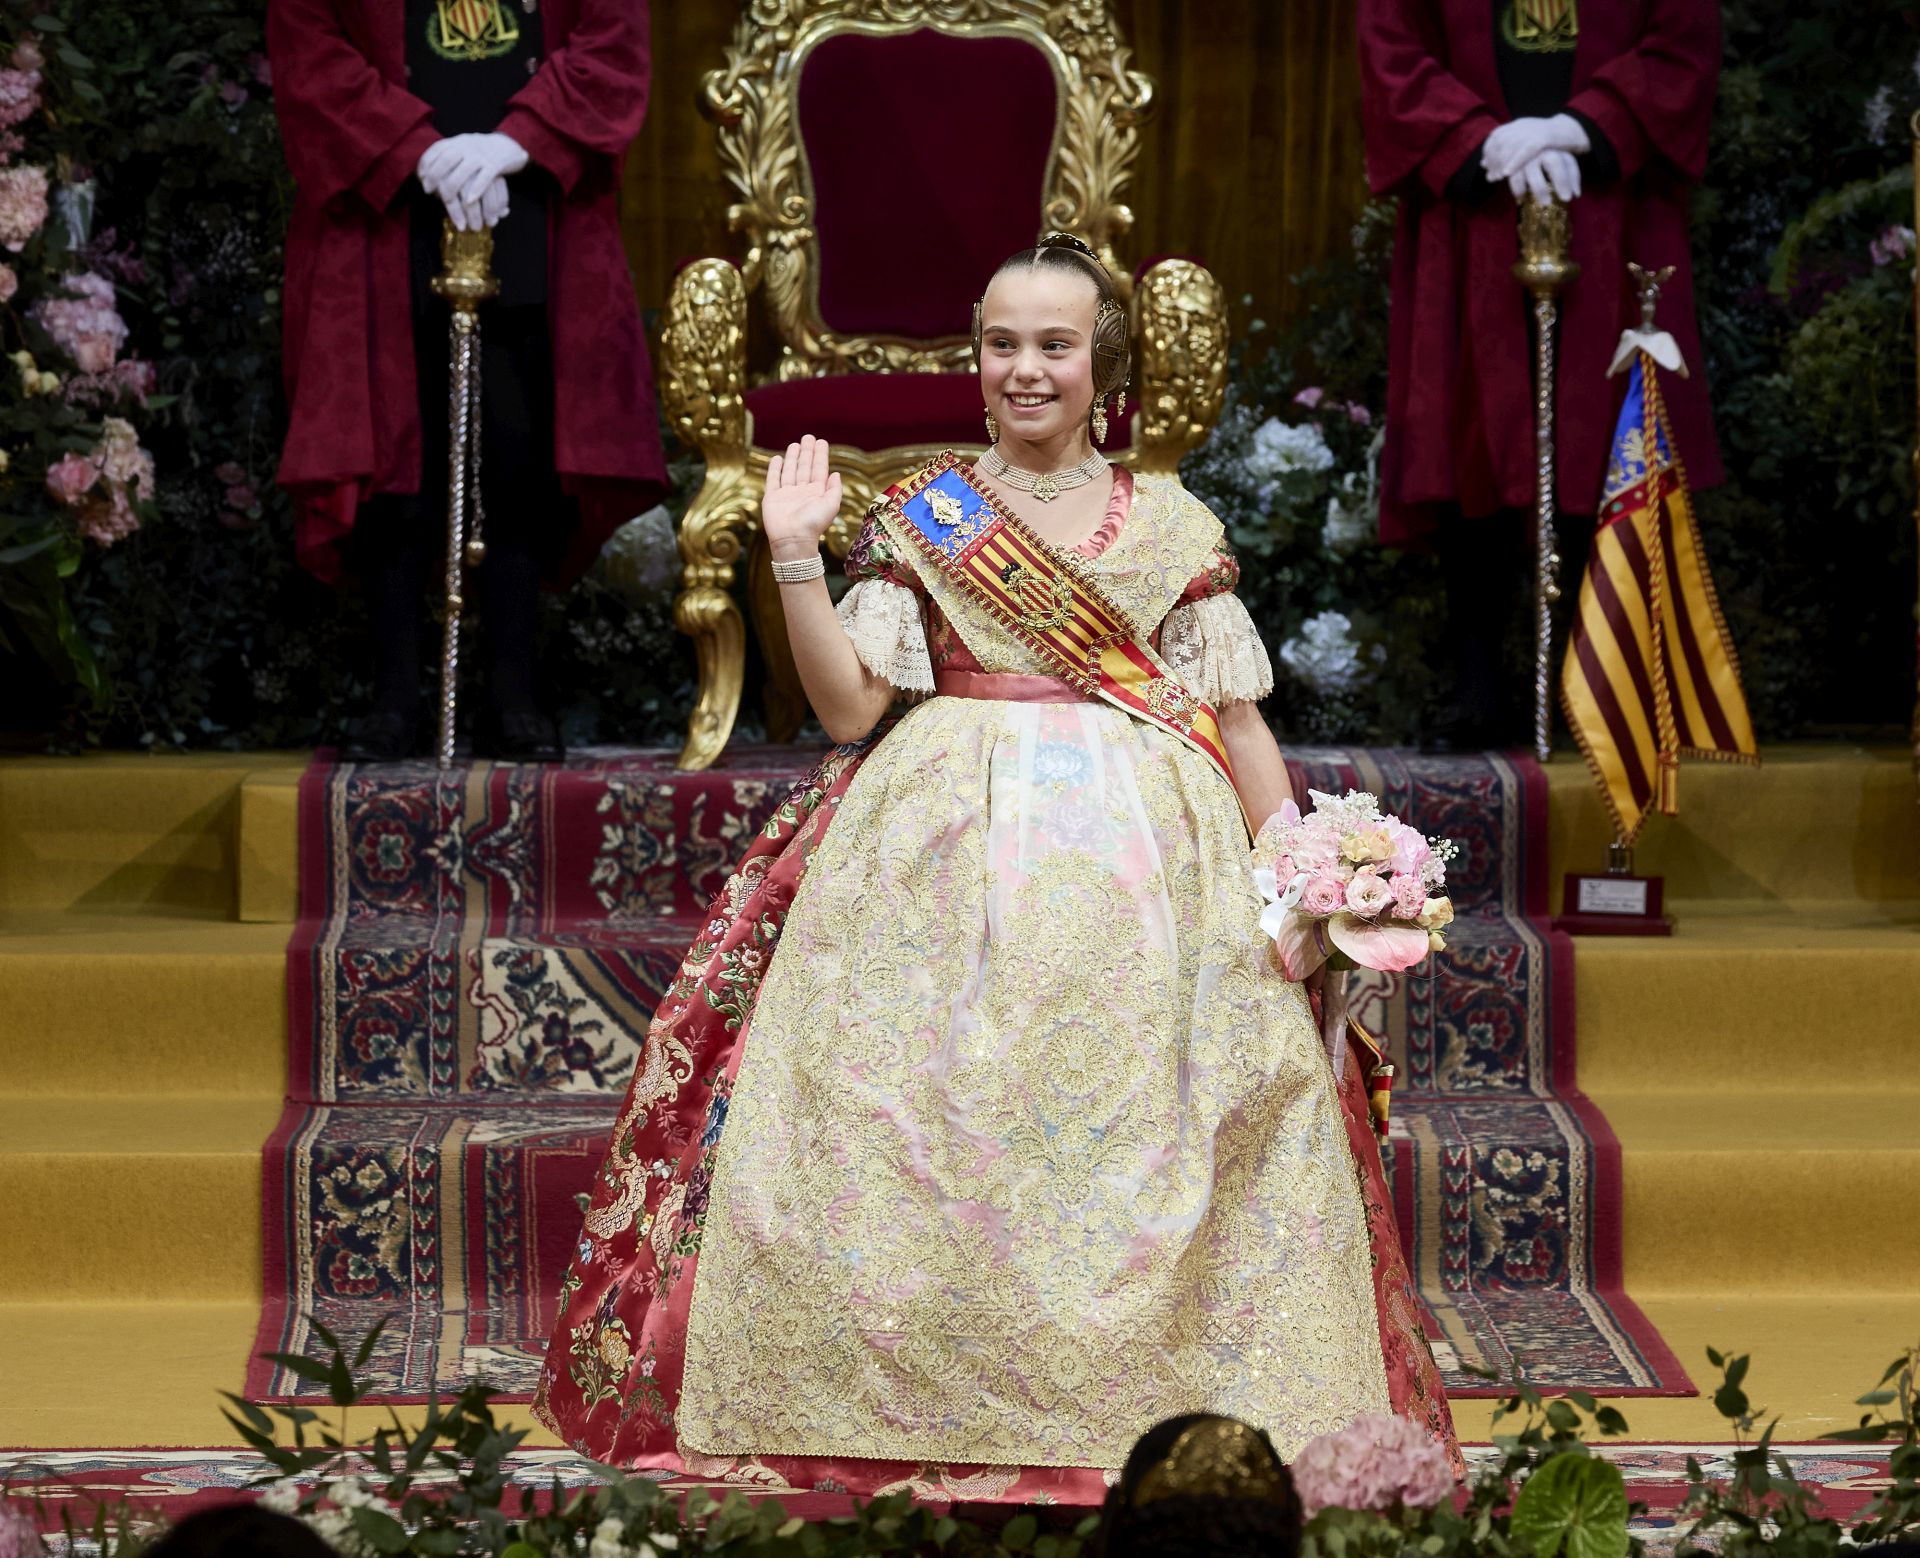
(1350, 887)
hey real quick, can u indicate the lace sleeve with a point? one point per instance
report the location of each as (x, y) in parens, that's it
(889, 633)
(1216, 650)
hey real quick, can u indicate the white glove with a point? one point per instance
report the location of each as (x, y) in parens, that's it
(461, 170)
(1519, 141)
(1553, 175)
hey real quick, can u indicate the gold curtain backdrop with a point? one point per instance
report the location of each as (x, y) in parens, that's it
(1251, 162)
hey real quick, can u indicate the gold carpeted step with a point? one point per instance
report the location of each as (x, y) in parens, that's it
(126, 831)
(85, 1372)
(1755, 996)
(147, 1197)
(1813, 822)
(1765, 1192)
(131, 1002)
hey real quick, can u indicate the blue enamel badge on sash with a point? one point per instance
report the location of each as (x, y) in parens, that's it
(939, 511)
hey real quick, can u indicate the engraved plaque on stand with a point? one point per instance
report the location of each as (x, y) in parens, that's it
(1617, 903)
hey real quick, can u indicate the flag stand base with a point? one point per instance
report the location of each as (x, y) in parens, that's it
(1616, 904)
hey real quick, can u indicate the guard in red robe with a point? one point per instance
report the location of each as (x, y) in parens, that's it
(396, 114)
(1630, 83)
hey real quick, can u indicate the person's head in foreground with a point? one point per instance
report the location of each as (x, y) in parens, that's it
(1205, 1486)
(240, 1531)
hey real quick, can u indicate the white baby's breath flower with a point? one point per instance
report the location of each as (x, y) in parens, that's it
(282, 1498)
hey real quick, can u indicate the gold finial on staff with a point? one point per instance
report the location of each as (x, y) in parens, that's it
(466, 280)
(1546, 234)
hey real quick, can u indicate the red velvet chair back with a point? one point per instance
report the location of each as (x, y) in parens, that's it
(928, 155)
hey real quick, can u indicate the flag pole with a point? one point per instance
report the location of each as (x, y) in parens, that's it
(466, 281)
(1913, 127)
(1543, 269)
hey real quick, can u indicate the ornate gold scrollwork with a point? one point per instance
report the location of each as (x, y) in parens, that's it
(703, 381)
(752, 99)
(1181, 357)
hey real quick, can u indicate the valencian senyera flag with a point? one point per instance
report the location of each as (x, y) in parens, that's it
(1650, 674)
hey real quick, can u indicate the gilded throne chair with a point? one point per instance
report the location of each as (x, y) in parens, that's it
(885, 155)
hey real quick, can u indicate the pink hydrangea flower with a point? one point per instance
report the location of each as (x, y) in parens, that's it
(122, 458)
(19, 1536)
(1368, 894)
(71, 478)
(104, 521)
(1895, 243)
(1409, 897)
(1378, 1462)
(87, 325)
(23, 205)
(9, 283)
(19, 95)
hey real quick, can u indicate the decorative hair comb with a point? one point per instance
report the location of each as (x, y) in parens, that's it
(1079, 245)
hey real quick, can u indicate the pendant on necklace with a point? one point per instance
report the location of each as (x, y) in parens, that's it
(1045, 488)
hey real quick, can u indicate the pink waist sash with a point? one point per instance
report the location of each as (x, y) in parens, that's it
(1007, 687)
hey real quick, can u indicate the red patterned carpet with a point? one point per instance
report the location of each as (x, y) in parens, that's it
(478, 955)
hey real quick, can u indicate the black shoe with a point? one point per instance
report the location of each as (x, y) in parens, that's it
(521, 736)
(384, 735)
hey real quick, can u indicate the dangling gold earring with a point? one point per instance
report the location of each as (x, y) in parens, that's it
(993, 428)
(1100, 420)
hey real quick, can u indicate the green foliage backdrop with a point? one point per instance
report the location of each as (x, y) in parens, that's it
(198, 630)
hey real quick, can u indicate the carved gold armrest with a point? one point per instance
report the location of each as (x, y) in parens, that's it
(704, 380)
(1180, 372)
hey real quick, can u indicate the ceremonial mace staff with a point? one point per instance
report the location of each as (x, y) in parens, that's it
(1543, 269)
(466, 280)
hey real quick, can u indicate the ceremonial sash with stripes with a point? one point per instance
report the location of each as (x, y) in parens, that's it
(1043, 598)
(1650, 674)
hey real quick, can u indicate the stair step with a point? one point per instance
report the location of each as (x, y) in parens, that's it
(118, 1197)
(124, 831)
(1812, 822)
(131, 1002)
(1767, 1192)
(1760, 996)
(267, 853)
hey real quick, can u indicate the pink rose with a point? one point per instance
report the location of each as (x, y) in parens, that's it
(1310, 396)
(1409, 897)
(23, 205)
(261, 68)
(9, 283)
(1359, 416)
(1368, 894)
(228, 474)
(27, 55)
(232, 93)
(1324, 894)
(1377, 1463)
(72, 478)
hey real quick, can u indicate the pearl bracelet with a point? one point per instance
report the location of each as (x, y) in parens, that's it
(800, 571)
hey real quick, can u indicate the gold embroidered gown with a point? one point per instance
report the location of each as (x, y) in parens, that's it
(1027, 1145)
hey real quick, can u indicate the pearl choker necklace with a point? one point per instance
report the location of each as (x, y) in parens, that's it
(1044, 485)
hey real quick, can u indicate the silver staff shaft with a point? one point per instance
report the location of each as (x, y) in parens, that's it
(1543, 269)
(466, 280)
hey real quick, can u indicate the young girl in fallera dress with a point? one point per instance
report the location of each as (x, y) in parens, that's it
(979, 1132)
